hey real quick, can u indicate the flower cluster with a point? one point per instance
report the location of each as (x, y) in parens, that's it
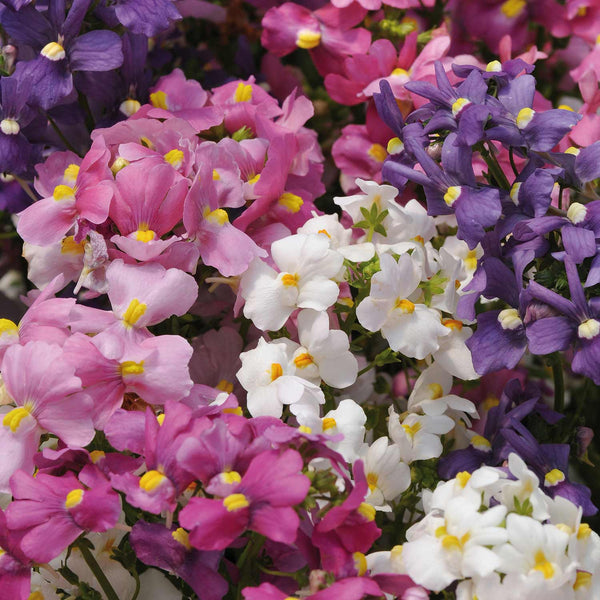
(311, 314)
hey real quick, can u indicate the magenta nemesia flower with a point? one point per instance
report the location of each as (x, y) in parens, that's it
(15, 572)
(261, 502)
(52, 512)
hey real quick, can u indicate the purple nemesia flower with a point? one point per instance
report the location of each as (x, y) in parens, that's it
(453, 189)
(550, 462)
(51, 512)
(61, 50)
(149, 17)
(578, 323)
(515, 123)
(15, 572)
(169, 549)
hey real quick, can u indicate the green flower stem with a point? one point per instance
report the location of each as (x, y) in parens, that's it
(97, 571)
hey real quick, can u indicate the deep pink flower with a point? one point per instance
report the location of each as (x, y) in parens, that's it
(261, 502)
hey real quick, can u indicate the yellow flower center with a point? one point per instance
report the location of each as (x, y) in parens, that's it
(216, 217)
(174, 158)
(181, 535)
(360, 563)
(235, 502)
(513, 8)
(9, 127)
(53, 51)
(243, 92)
(134, 312)
(378, 152)
(435, 391)
(97, 455)
(543, 565)
(225, 386)
(329, 423)
(70, 246)
(462, 478)
(129, 107)
(458, 105)
(130, 367)
(9, 327)
(583, 579)
(411, 430)
(494, 67)
(290, 280)
(453, 324)
(584, 531)
(303, 360)
(276, 371)
(509, 319)
(15, 417)
(74, 497)
(150, 480)
(404, 306)
(452, 194)
(159, 99)
(308, 39)
(63, 192)
(118, 164)
(480, 443)
(372, 479)
(576, 213)
(554, 477)
(524, 117)
(395, 146)
(589, 329)
(291, 202)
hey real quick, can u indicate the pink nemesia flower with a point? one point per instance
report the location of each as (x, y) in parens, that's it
(327, 33)
(261, 502)
(15, 572)
(140, 295)
(48, 397)
(48, 220)
(52, 512)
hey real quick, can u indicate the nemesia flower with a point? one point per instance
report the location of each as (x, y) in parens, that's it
(306, 267)
(52, 512)
(262, 501)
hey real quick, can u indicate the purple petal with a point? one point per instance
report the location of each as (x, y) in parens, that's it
(96, 51)
(550, 335)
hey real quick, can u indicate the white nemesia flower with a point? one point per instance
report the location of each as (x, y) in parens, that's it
(453, 354)
(306, 266)
(386, 474)
(412, 329)
(323, 351)
(268, 375)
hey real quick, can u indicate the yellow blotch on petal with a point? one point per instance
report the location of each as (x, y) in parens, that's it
(480, 443)
(453, 324)
(254, 178)
(399, 72)
(419, 239)
(225, 386)
(216, 217)
(308, 39)
(145, 235)
(459, 104)
(405, 306)
(36, 596)
(584, 531)
(435, 390)
(234, 411)
(134, 312)
(554, 477)
(565, 107)
(303, 360)
(97, 455)
(582, 11)
(181, 535)
(215, 175)
(572, 150)
(513, 8)
(290, 280)
(63, 192)
(452, 194)
(235, 502)
(494, 66)
(360, 562)
(74, 497)
(159, 100)
(372, 479)
(14, 418)
(291, 202)
(129, 107)
(130, 367)
(118, 164)
(150, 480)
(462, 478)
(276, 371)
(71, 172)
(411, 430)
(9, 327)
(490, 401)
(378, 152)
(325, 232)
(304, 429)
(583, 579)
(231, 477)
(53, 51)
(174, 158)
(395, 146)
(243, 92)
(329, 423)
(524, 117)
(451, 542)
(543, 565)
(367, 511)
(161, 418)
(70, 246)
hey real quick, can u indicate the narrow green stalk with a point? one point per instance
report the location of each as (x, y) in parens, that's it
(512, 161)
(97, 571)
(61, 135)
(493, 165)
